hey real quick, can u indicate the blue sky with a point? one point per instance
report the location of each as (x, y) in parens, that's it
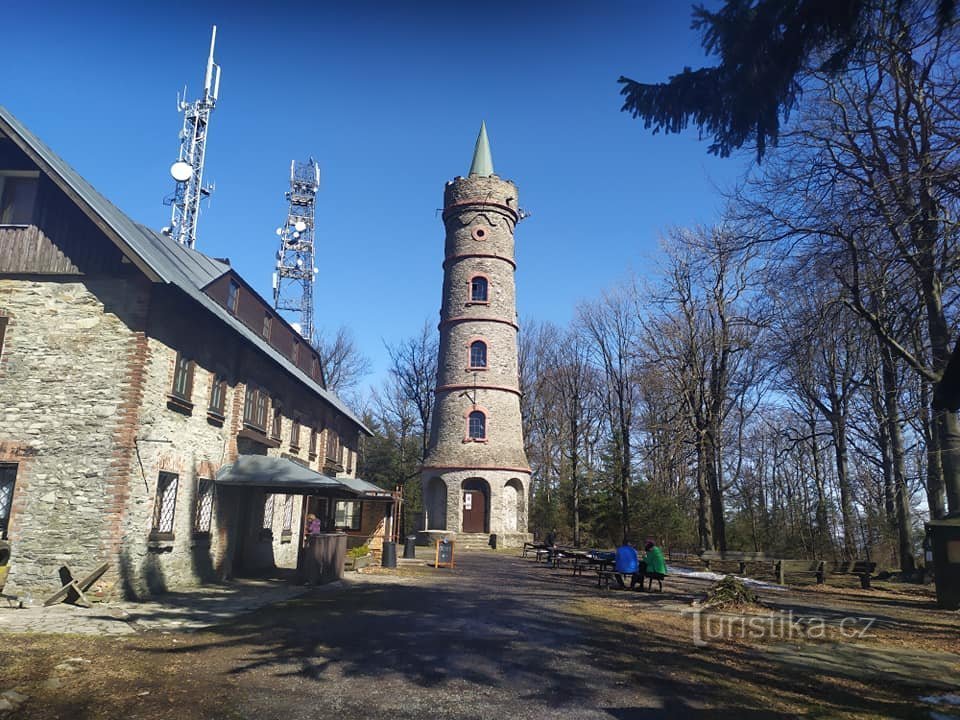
(388, 96)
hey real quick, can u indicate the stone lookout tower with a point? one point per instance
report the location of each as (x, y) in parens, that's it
(476, 477)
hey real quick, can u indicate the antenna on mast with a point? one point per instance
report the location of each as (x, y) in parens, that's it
(295, 272)
(187, 171)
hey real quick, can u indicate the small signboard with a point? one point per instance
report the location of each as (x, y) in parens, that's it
(444, 555)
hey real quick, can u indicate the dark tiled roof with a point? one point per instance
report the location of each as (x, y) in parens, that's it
(273, 473)
(162, 259)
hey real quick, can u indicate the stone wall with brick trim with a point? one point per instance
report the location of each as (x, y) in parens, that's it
(87, 372)
(65, 376)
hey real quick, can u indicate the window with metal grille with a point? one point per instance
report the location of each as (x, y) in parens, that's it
(295, 353)
(347, 515)
(477, 425)
(233, 296)
(218, 395)
(268, 512)
(182, 378)
(313, 442)
(478, 354)
(349, 454)
(8, 479)
(18, 197)
(267, 326)
(478, 289)
(295, 435)
(165, 506)
(204, 516)
(288, 514)
(3, 331)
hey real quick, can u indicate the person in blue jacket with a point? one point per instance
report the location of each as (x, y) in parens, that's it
(626, 562)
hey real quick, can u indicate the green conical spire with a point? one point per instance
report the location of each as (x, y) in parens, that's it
(482, 164)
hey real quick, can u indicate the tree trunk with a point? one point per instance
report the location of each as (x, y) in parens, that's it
(838, 426)
(891, 394)
(704, 511)
(934, 483)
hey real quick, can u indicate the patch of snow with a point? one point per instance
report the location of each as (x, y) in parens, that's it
(948, 699)
(707, 575)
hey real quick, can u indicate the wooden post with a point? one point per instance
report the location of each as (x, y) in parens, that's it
(780, 573)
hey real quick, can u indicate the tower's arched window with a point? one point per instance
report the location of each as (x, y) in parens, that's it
(477, 425)
(478, 354)
(478, 289)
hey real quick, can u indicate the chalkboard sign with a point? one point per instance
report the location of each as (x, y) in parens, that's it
(444, 557)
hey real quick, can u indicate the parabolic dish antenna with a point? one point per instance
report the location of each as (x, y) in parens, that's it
(181, 171)
(300, 226)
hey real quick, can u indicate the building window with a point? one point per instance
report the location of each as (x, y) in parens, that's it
(348, 515)
(8, 479)
(255, 408)
(18, 196)
(182, 378)
(3, 331)
(313, 443)
(477, 422)
(233, 296)
(202, 520)
(277, 425)
(267, 326)
(349, 453)
(333, 446)
(295, 353)
(478, 289)
(287, 517)
(218, 395)
(266, 529)
(295, 435)
(315, 368)
(478, 355)
(165, 506)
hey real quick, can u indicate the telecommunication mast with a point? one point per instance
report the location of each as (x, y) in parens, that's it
(296, 271)
(187, 171)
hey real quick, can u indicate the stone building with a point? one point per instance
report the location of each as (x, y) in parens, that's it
(137, 375)
(476, 477)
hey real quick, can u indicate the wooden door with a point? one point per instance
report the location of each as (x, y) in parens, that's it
(474, 511)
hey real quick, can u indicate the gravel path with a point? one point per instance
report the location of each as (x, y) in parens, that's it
(498, 637)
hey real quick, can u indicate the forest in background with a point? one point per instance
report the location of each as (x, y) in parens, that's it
(767, 384)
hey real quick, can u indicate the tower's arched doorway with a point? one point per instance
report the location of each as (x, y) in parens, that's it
(514, 510)
(476, 506)
(435, 504)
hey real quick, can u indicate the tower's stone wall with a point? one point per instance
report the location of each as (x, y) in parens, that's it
(480, 215)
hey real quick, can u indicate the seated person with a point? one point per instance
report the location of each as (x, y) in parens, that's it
(653, 564)
(551, 543)
(626, 563)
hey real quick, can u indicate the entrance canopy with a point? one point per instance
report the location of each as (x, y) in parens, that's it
(279, 475)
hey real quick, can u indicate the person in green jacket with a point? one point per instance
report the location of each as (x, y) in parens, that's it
(653, 563)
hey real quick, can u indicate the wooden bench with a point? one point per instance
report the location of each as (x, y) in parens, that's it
(798, 567)
(741, 558)
(533, 547)
(861, 568)
(604, 577)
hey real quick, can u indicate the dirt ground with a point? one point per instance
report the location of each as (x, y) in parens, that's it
(504, 637)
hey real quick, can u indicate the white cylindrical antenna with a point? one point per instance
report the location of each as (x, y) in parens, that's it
(209, 76)
(216, 84)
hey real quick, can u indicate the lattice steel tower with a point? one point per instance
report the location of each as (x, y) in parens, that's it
(188, 169)
(293, 279)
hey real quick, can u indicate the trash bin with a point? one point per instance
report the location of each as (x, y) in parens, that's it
(410, 547)
(388, 558)
(943, 544)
